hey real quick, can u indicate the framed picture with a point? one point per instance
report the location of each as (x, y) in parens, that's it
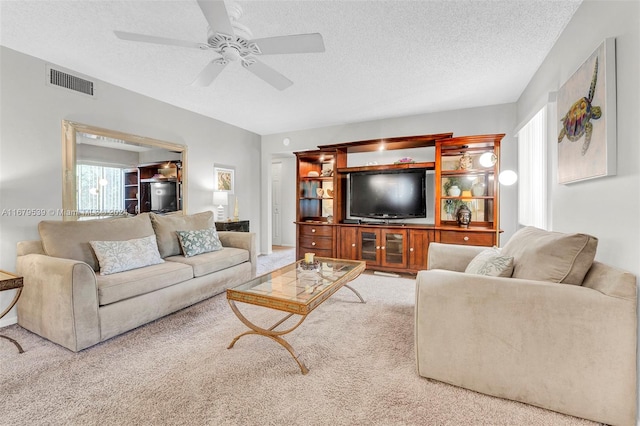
(223, 178)
(587, 119)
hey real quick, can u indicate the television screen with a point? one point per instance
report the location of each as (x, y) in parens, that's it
(388, 195)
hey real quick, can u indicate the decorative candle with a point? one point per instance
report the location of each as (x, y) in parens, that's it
(308, 257)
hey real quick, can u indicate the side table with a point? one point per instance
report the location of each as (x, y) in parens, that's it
(235, 225)
(9, 281)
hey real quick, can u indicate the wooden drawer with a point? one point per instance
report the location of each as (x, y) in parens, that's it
(313, 242)
(467, 238)
(316, 230)
(318, 252)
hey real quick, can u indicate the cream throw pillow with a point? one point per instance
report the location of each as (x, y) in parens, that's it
(165, 227)
(119, 256)
(492, 263)
(551, 256)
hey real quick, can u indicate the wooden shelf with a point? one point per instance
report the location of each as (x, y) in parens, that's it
(430, 165)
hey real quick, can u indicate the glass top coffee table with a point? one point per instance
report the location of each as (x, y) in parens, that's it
(297, 289)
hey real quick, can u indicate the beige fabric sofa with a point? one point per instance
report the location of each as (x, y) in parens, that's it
(66, 300)
(567, 348)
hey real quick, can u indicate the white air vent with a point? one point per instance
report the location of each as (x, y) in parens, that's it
(57, 77)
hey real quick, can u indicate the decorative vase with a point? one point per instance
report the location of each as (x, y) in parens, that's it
(466, 162)
(477, 190)
(454, 191)
(463, 216)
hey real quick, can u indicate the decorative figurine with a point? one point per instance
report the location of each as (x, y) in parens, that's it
(463, 216)
(466, 162)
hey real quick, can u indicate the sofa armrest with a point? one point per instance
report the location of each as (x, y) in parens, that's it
(566, 348)
(452, 257)
(59, 300)
(242, 240)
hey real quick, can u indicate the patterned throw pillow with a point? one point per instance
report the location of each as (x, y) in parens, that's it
(489, 262)
(118, 256)
(200, 241)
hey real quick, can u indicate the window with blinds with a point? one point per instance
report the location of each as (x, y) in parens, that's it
(532, 167)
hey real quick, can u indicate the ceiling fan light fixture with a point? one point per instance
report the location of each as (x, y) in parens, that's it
(231, 53)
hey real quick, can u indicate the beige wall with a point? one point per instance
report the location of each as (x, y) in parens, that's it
(601, 207)
(31, 113)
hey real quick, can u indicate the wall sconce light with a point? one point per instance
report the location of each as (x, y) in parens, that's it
(221, 199)
(508, 177)
(488, 159)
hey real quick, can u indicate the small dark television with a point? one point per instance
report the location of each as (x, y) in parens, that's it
(397, 194)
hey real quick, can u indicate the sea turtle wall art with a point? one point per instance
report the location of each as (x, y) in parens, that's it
(586, 118)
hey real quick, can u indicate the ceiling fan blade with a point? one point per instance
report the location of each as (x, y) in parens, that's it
(267, 73)
(210, 72)
(216, 15)
(158, 40)
(299, 43)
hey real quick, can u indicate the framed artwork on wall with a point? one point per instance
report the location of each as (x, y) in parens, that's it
(587, 118)
(224, 178)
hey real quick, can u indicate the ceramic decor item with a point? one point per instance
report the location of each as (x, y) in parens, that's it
(454, 191)
(466, 162)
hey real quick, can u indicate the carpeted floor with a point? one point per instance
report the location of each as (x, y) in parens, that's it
(280, 256)
(178, 371)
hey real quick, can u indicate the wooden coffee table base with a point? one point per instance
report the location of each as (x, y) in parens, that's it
(276, 335)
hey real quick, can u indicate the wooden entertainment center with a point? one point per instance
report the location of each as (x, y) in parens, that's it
(325, 228)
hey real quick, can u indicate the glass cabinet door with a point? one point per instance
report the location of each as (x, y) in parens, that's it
(369, 246)
(468, 178)
(393, 245)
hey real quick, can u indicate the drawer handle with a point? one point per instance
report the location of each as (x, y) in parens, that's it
(411, 249)
(466, 238)
(313, 243)
(313, 230)
(353, 244)
(377, 247)
(382, 247)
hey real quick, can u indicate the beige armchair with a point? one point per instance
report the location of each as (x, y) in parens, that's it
(566, 348)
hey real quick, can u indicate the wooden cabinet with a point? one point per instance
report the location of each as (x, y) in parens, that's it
(131, 190)
(315, 202)
(419, 240)
(468, 238)
(160, 187)
(383, 247)
(316, 186)
(466, 175)
(470, 163)
(316, 238)
(396, 249)
(348, 242)
(235, 225)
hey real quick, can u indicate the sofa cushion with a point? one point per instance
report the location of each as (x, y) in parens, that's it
(70, 240)
(199, 241)
(115, 287)
(551, 256)
(118, 256)
(207, 263)
(165, 227)
(492, 263)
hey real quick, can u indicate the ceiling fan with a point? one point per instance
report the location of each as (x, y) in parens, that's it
(234, 42)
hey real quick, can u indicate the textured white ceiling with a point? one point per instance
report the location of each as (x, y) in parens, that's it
(383, 58)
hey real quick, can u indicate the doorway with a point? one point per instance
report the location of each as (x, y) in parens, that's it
(276, 203)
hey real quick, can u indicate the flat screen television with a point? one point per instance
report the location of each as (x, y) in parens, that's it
(398, 194)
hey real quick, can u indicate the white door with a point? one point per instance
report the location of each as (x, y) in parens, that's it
(276, 202)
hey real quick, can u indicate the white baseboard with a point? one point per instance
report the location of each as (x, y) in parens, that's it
(386, 274)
